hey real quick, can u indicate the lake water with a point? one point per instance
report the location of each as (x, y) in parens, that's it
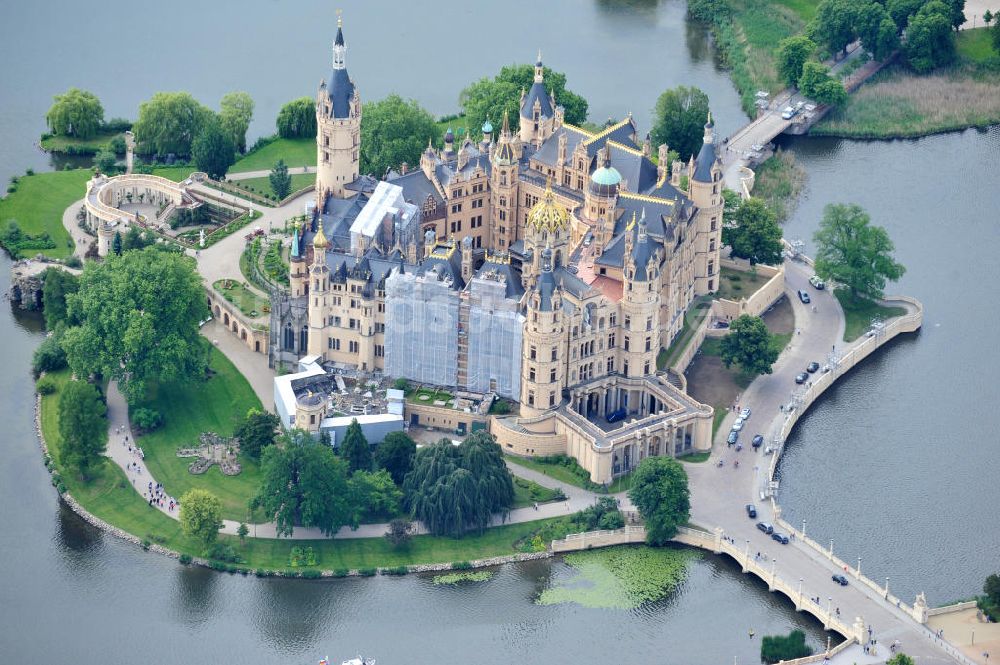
(897, 464)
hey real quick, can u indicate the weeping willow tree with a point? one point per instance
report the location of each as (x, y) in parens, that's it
(454, 489)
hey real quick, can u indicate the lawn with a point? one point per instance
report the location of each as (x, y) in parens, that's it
(975, 45)
(778, 181)
(75, 146)
(190, 409)
(667, 357)
(175, 173)
(736, 284)
(554, 471)
(858, 313)
(528, 492)
(39, 203)
(249, 303)
(295, 152)
(431, 394)
(262, 185)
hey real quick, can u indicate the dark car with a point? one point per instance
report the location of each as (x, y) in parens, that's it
(615, 416)
(733, 437)
(804, 297)
(812, 367)
(757, 441)
(751, 511)
(765, 527)
(801, 378)
(840, 579)
(780, 537)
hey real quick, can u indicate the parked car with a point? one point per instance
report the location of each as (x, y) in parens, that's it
(840, 579)
(765, 527)
(780, 537)
(745, 414)
(804, 297)
(812, 367)
(817, 282)
(615, 416)
(758, 441)
(788, 113)
(733, 437)
(738, 425)
(751, 511)
(801, 378)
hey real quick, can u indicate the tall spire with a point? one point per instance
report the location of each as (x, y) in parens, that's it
(339, 49)
(539, 70)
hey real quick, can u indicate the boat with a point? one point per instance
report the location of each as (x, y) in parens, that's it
(360, 660)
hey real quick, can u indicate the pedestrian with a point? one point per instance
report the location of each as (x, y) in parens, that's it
(751, 633)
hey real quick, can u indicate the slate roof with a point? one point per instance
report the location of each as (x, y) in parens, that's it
(537, 92)
(340, 90)
(545, 286)
(704, 162)
(548, 153)
(337, 217)
(514, 288)
(417, 187)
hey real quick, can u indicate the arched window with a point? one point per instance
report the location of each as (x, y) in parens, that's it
(289, 342)
(303, 339)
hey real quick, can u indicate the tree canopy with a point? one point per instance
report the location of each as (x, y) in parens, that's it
(753, 233)
(304, 484)
(138, 319)
(256, 432)
(454, 489)
(900, 659)
(929, 41)
(991, 587)
(169, 122)
(816, 83)
(660, 492)
(876, 29)
(833, 25)
(749, 345)
(355, 448)
(281, 182)
(235, 114)
(75, 113)
(395, 455)
(679, 120)
(793, 52)
(487, 99)
(56, 287)
(374, 495)
(82, 426)
(851, 251)
(774, 648)
(201, 515)
(297, 119)
(213, 150)
(393, 131)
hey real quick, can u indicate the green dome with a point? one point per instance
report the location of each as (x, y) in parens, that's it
(487, 127)
(607, 176)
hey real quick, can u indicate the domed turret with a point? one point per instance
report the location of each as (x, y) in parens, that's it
(605, 180)
(487, 127)
(320, 241)
(547, 215)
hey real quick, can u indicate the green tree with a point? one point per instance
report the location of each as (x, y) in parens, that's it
(679, 120)
(660, 492)
(900, 659)
(75, 113)
(774, 648)
(82, 426)
(135, 238)
(49, 356)
(393, 131)
(816, 83)
(355, 448)
(105, 161)
(887, 41)
(833, 25)
(56, 287)
(793, 52)
(956, 10)
(242, 532)
(256, 432)
(991, 587)
(454, 489)
(399, 532)
(754, 234)
(201, 516)
(281, 182)
(169, 122)
(304, 483)
(374, 495)
(213, 150)
(116, 243)
(876, 30)
(851, 251)
(987, 17)
(749, 345)
(902, 10)
(297, 119)
(138, 319)
(929, 40)
(487, 99)
(235, 114)
(995, 34)
(395, 455)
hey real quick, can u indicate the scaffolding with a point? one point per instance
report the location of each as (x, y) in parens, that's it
(493, 339)
(421, 333)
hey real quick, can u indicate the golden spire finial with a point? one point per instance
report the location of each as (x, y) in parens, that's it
(539, 55)
(340, 18)
(320, 241)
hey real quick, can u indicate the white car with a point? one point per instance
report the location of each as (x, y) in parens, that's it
(817, 282)
(738, 425)
(788, 113)
(745, 414)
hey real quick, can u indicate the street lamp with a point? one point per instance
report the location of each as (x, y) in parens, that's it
(887, 587)
(859, 567)
(803, 529)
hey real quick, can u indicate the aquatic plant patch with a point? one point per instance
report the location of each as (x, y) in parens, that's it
(458, 578)
(619, 577)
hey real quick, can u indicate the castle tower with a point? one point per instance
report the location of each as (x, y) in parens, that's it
(467, 266)
(537, 109)
(600, 200)
(319, 278)
(449, 144)
(503, 189)
(543, 366)
(547, 228)
(640, 301)
(338, 127)
(705, 183)
(298, 276)
(484, 145)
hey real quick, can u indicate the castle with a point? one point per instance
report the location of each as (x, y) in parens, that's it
(547, 265)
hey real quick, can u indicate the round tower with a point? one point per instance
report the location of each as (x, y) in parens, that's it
(543, 366)
(503, 189)
(600, 200)
(309, 411)
(537, 109)
(640, 303)
(338, 127)
(706, 193)
(547, 227)
(298, 276)
(105, 236)
(319, 287)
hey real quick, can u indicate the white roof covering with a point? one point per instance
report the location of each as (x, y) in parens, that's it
(387, 199)
(283, 384)
(344, 421)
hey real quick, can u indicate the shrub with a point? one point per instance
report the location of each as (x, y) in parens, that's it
(74, 262)
(223, 552)
(367, 572)
(29, 171)
(185, 559)
(340, 572)
(311, 574)
(774, 648)
(146, 544)
(398, 570)
(45, 386)
(461, 565)
(146, 420)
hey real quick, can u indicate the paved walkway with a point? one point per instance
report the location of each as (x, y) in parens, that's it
(81, 239)
(246, 175)
(253, 366)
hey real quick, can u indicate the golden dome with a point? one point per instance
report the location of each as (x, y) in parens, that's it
(547, 215)
(320, 241)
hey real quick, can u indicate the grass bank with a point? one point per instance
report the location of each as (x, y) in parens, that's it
(175, 173)
(778, 182)
(262, 185)
(38, 206)
(859, 312)
(295, 152)
(247, 301)
(76, 146)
